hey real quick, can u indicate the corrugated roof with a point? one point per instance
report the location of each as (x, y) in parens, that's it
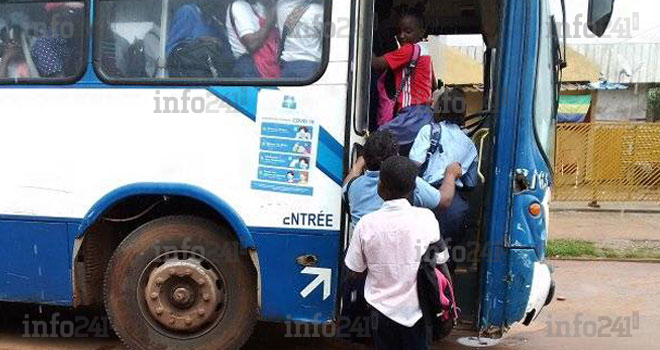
(570, 86)
(625, 63)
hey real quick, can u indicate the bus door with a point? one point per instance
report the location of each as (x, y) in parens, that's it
(515, 282)
(515, 234)
(360, 87)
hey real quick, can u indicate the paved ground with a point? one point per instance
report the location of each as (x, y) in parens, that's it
(600, 292)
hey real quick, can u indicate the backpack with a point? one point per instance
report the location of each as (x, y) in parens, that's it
(470, 179)
(386, 105)
(136, 60)
(202, 58)
(198, 59)
(436, 295)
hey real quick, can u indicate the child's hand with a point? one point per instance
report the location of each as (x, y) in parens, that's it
(453, 170)
(360, 164)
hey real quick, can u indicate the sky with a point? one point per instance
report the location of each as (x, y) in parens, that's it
(633, 21)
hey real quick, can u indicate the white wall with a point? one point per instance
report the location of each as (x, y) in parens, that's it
(621, 105)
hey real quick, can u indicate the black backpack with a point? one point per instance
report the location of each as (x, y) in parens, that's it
(203, 58)
(200, 58)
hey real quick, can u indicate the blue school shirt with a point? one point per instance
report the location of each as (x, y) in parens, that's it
(187, 24)
(456, 147)
(363, 195)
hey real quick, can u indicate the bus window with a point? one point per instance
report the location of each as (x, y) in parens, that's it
(214, 41)
(546, 86)
(41, 41)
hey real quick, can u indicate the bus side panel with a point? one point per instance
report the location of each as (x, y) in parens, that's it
(285, 282)
(35, 264)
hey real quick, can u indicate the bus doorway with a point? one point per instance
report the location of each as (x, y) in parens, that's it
(377, 33)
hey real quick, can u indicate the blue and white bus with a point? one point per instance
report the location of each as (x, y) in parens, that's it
(191, 203)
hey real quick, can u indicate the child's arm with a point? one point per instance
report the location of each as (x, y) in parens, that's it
(355, 259)
(420, 147)
(378, 64)
(393, 60)
(356, 170)
(448, 188)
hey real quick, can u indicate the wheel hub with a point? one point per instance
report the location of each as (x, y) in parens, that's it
(181, 295)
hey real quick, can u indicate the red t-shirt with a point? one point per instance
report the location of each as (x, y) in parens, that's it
(418, 91)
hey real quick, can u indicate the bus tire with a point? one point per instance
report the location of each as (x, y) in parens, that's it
(181, 283)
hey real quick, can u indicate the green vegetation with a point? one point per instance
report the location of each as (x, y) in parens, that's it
(575, 248)
(653, 108)
(570, 248)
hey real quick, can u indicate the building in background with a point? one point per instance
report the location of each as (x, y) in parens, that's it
(607, 149)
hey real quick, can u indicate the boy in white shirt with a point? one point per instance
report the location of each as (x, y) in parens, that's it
(388, 245)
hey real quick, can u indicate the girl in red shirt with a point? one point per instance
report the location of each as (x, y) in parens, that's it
(414, 80)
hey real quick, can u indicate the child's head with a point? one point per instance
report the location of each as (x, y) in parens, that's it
(397, 178)
(379, 146)
(411, 27)
(451, 107)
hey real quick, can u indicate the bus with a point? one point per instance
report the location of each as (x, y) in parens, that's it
(144, 175)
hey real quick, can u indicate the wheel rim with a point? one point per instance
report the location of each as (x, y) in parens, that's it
(182, 294)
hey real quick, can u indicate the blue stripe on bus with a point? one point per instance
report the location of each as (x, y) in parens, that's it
(330, 157)
(242, 98)
(330, 152)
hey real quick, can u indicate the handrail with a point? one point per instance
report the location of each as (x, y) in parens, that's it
(32, 68)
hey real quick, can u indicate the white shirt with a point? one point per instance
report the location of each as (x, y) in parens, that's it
(389, 244)
(247, 22)
(305, 43)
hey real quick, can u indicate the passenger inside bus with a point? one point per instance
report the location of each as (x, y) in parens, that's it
(196, 42)
(443, 142)
(253, 39)
(301, 37)
(41, 40)
(12, 60)
(55, 50)
(414, 81)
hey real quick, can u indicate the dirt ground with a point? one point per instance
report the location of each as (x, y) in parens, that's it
(596, 294)
(610, 229)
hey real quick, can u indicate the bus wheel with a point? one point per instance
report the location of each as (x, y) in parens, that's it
(181, 283)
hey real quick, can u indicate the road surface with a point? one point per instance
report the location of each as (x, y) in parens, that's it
(594, 296)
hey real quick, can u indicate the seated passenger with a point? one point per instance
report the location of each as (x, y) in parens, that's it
(12, 60)
(253, 38)
(413, 73)
(440, 143)
(301, 42)
(54, 52)
(197, 44)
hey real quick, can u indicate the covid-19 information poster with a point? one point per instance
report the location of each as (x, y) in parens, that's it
(287, 145)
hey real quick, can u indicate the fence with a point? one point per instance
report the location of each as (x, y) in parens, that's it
(607, 162)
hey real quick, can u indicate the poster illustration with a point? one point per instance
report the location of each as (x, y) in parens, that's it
(287, 146)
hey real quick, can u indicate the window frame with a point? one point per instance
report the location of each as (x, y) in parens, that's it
(85, 48)
(547, 154)
(176, 82)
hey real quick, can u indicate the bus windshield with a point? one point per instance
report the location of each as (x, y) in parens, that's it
(545, 101)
